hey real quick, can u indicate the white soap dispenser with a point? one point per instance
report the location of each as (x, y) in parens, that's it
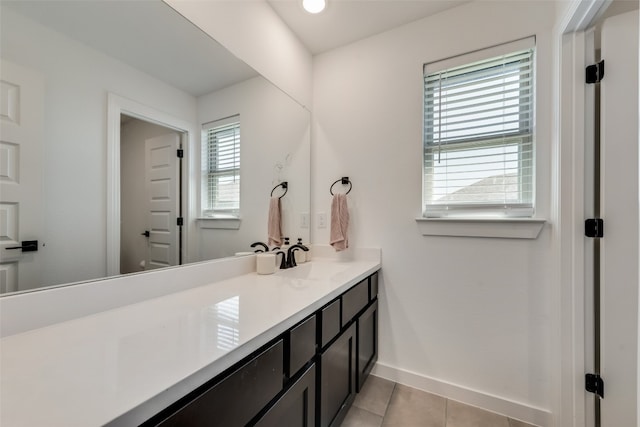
(300, 255)
(285, 245)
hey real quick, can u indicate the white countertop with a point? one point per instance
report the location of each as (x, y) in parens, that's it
(124, 365)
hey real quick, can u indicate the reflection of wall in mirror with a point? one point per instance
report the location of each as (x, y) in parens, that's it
(275, 147)
(77, 80)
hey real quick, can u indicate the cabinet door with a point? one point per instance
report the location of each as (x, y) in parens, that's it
(297, 407)
(367, 342)
(338, 378)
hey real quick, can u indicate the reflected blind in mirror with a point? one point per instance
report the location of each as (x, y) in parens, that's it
(221, 157)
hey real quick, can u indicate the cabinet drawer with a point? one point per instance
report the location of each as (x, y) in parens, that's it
(354, 300)
(374, 286)
(330, 322)
(238, 398)
(302, 345)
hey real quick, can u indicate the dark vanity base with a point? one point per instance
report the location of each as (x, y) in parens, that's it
(306, 377)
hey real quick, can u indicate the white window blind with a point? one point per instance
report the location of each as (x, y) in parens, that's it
(479, 134)
(221, 172)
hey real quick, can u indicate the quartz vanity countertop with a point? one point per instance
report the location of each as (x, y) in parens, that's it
(122, 366)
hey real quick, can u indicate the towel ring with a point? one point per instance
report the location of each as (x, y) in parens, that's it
(285, 187)
(344, 181)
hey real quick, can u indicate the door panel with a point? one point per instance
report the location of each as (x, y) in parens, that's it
(21, 121)
(162, 183)
(619, 201)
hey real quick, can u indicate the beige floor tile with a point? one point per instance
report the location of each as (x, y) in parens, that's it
(409, 407)
(357, 417)
(516, 423)
(461, 415)
(374, 396)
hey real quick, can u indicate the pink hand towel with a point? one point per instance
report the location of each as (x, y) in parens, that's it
(339, 223)
(273, 227)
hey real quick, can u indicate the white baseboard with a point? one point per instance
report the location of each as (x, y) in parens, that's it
(519, 411)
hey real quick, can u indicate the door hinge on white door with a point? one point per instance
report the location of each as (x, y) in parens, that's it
(594, 227)
(180, 153)
(593, 383)
(595, 73)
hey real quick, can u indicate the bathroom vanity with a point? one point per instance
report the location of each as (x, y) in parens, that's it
(296, 346)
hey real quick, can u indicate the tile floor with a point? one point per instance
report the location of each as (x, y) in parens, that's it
(383, 403)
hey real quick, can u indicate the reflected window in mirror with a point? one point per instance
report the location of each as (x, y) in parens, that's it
(221, 172)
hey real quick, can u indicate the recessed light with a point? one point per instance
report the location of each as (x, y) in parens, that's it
(314, 6)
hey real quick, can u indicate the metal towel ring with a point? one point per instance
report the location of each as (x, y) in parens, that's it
(344, 181)
(285, 187)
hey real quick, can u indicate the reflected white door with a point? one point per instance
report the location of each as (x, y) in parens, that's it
(619, 183)
(21, 121)
(162, 182)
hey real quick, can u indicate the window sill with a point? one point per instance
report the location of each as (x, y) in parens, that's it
(501, 228)
(219, 223)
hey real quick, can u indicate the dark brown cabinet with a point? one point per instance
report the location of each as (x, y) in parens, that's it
(367, 342)
(307, 377)
(297, 407)
(338, 378)
(236, 399)
(302, 347)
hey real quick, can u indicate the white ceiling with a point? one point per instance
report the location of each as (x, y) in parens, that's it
(148, 35)
(345, 21)
(151, 36)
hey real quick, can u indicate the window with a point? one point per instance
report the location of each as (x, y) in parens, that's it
(221, 168)
(479, 133)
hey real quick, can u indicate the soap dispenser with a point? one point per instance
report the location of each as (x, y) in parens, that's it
(300, 256)
(285, 245)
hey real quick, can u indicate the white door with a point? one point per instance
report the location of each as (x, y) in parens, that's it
(619, 208)
(21, 122)
(162, 182)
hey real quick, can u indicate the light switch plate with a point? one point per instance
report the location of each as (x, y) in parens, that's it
(322, 220)
(304, 220)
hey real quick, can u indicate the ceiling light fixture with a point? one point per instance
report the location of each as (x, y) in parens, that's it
(314, 6)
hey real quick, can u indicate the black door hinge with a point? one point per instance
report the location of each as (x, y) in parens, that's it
(180, 221)
(180, 153)
(594, 227)
(593, 383)
(595, 72)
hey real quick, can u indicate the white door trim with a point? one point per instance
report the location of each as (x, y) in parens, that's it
(117, 105)
(570, 409)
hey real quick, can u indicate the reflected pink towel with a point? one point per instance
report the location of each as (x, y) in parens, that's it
(339, 223)
(273, 227)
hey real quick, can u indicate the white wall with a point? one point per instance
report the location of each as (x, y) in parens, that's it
(472, 318)
(253, 32)
(76, 86)
(275, 147)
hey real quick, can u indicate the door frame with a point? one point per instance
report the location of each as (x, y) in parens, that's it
(116, 106)
(572, 403)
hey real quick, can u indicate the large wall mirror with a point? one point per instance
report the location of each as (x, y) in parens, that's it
(99, 100)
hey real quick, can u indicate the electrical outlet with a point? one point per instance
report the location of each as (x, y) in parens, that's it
(322, 220)
(304, 220)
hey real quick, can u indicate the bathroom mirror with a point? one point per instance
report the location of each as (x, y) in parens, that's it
(86, 85)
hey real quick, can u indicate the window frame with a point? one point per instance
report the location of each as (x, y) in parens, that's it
(503, 139)
(212, 211)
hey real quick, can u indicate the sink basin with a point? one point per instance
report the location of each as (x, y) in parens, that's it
(313, 271)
